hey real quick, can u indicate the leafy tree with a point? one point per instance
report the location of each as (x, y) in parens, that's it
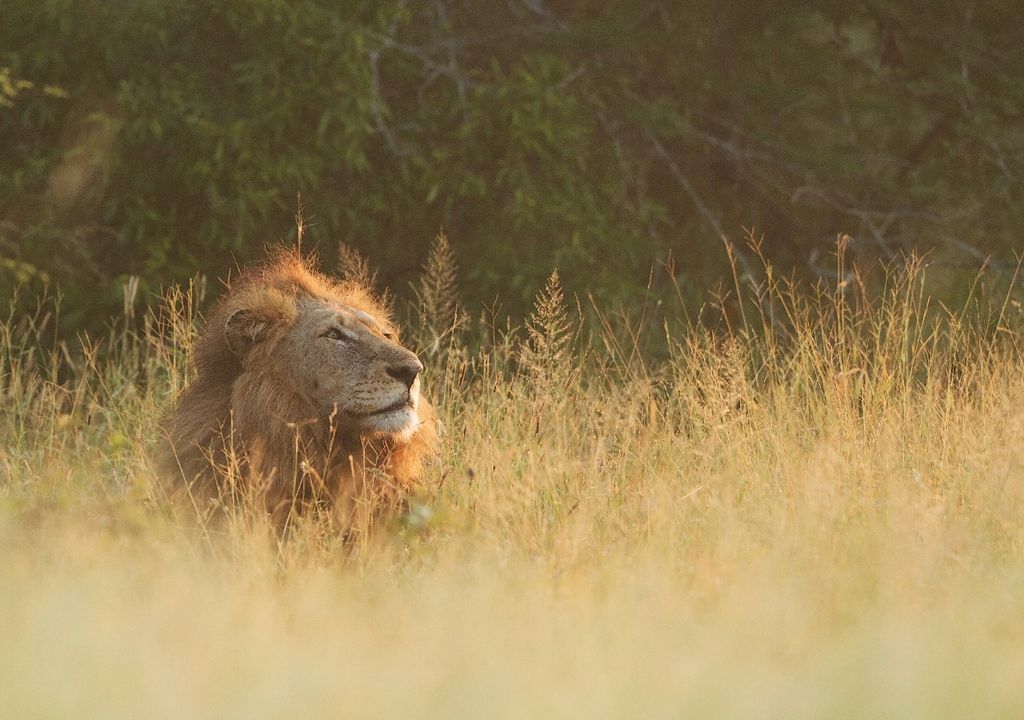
(596, 138)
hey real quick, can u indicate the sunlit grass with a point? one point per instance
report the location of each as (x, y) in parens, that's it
(814, 512)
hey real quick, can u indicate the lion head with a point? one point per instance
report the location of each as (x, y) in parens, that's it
(303, 394)
(334, 358)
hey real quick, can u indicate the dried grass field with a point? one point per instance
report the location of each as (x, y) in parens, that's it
(814, 513)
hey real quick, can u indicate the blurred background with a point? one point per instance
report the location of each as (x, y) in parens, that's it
(144, 141)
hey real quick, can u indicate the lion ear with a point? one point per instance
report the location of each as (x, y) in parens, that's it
(243, 330)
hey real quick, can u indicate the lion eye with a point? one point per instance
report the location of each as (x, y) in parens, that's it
(335, 334)
(389, 335)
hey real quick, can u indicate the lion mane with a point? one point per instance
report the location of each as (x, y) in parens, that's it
(282, 459)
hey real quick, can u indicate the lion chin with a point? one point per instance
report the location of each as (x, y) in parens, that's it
(401, 423)
(283, 341)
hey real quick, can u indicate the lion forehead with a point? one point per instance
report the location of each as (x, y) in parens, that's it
(365, 318)
(320, 308)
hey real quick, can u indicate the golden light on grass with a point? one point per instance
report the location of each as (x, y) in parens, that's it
(816, 514)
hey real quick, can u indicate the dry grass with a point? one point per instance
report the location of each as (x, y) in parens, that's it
(817, 514)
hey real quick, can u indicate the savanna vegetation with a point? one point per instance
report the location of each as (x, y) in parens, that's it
(815, 513)
(697, 471)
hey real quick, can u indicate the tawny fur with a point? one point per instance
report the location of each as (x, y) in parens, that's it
(286, 461)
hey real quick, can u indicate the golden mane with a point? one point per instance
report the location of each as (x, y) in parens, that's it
(289, 462)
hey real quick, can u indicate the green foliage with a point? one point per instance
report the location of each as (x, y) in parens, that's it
(160, 137)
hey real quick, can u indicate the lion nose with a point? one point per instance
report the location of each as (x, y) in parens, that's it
(406, 372)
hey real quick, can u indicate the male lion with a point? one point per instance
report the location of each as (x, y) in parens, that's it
(302, 397)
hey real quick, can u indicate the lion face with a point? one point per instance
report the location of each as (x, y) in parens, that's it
(345, 363)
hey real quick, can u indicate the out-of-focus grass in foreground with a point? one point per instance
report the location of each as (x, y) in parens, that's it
(816, 513)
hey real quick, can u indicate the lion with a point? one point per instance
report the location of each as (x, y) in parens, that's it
(303, 397)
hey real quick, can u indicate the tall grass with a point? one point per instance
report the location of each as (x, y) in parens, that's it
(813, 510)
